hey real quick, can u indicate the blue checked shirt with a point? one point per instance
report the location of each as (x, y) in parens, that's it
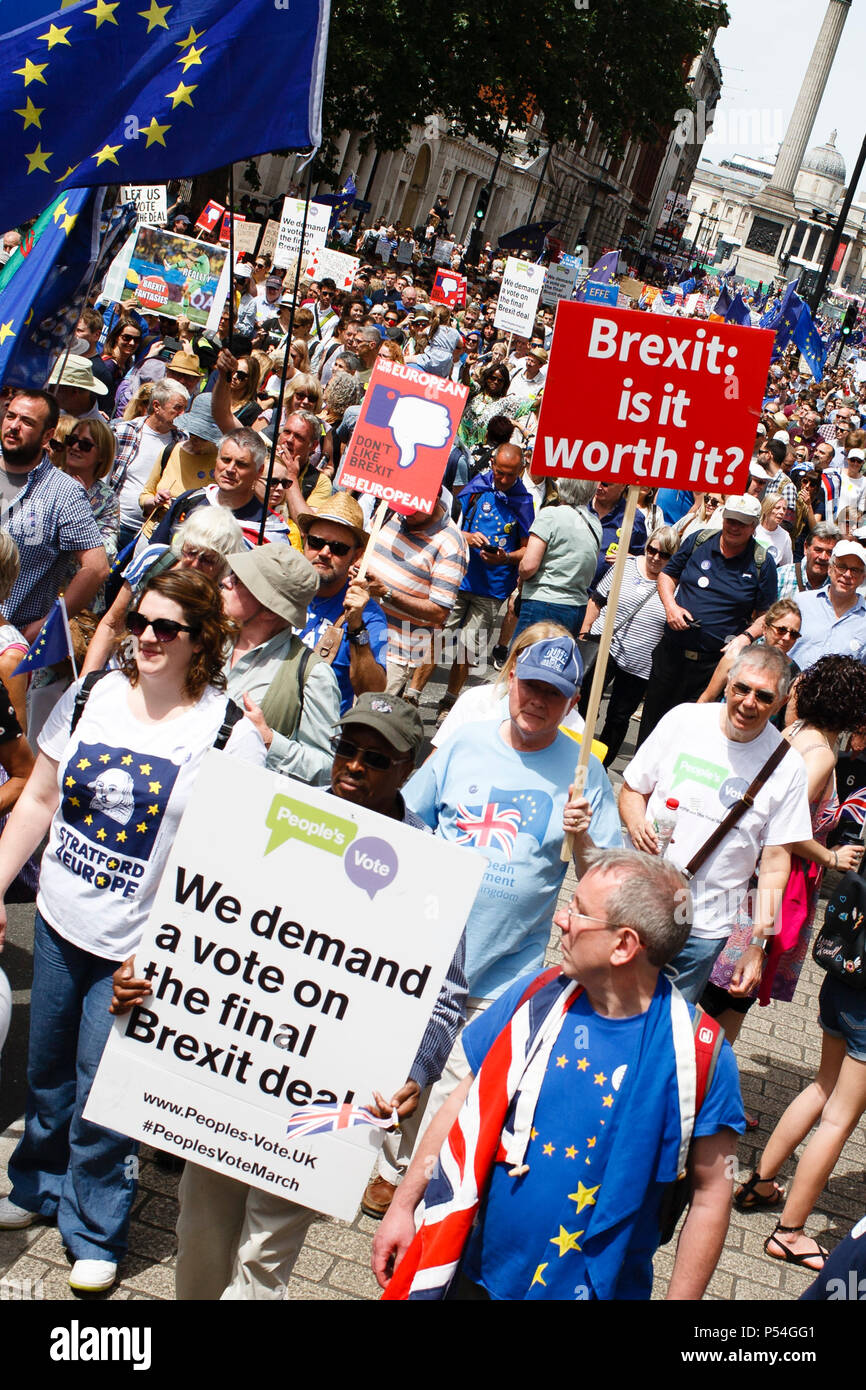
(50, 517)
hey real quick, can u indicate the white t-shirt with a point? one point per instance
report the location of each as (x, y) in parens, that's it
(688, 757)
(487, 702)
(778, 542)
(123, 787)
(150, 448)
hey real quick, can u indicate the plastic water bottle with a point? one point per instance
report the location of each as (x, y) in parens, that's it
(665, 823)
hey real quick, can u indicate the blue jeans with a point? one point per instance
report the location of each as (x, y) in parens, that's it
(64, 1166)
(692, 968)
(536, 611)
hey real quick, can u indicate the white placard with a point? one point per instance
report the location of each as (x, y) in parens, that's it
(558, 283)
(288, 246)
(443, 250)
(296, 949)
(115, 281)
(338, 265)
(519, 292)
(150, 201)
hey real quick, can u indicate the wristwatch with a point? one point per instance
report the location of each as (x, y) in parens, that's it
(360, 637)
(388, 595)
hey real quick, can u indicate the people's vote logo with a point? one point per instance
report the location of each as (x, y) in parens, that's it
(369, 862)
(116, 798)
(732, 791)
(413, 421)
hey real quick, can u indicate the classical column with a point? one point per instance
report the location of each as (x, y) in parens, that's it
(803, 118)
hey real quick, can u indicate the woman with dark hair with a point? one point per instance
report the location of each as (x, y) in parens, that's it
(826, 700)
(245, 389)
(116, 766)
(121, 346)
(490, 398)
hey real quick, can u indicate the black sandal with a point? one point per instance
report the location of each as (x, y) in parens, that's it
(758, 1201)
(819, 1253)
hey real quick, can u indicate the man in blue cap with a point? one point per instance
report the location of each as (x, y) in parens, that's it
(501, 788)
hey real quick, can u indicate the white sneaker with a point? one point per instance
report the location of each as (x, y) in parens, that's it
(14, 1218)
(92, 1276)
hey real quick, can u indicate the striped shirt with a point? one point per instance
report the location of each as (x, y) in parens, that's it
(640, 620)
(427, 562)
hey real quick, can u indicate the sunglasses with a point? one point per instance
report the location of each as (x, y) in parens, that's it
(128, 338)
(763, 697)
(654, 550)
(378, 762)
(785, 631)
(85, 446)
(241, 376)
(163, 629)
(338, 548)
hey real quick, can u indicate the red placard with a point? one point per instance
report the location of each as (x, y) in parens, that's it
(401, 442)
(661, 402)
(210, 216)
(225, 229)
(448, 288)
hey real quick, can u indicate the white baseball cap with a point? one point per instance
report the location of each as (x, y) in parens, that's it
(851, 549)
(744, 508)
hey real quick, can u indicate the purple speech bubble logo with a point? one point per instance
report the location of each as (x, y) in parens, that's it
(370, 863)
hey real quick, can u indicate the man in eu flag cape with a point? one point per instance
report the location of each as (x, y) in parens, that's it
(592, 1087)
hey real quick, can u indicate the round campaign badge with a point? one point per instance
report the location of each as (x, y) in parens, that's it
(706, 564)
(732, 790)
(703, 582)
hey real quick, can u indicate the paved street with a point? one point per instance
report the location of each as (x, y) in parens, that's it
(778, 1053)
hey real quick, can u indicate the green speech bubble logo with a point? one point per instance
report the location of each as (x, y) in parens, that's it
(289, 819)
(691, 769)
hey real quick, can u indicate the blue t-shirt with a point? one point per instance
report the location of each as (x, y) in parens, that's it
(324, 611)
(478, 792)
(674, 503)
(527, 1243)
(489, 513)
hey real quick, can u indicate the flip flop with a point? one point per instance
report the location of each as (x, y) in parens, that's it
(788, 1255)
(749, 1199)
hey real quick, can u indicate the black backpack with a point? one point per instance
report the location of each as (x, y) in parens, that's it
(840, 947)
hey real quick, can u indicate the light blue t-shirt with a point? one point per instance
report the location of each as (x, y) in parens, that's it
(478, 792)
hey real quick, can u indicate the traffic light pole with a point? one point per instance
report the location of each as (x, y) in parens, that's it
(473, 249)
(835, 241)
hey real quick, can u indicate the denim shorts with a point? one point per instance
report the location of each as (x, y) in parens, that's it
(842, 1014)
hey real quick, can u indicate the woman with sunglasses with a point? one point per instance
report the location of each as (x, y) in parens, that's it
(244, 388)
(112, 779)
(85, 450)
(491, 397)
(782, 623)
(121, 347)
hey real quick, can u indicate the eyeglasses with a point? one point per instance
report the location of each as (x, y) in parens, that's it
(763, 697)
(378, 762)
(208, 559)
(85, 446)
(784, 631)
(163, 629)
(338, 548)
(654, 551)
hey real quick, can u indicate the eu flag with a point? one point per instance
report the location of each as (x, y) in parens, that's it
(738, 311)
(53, 642)
(723, 303)
(180, 88)
(810, 342)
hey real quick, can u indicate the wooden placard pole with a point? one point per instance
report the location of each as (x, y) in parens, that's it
(375, 528)
(598, 672)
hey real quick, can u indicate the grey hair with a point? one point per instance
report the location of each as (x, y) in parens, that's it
(342, 391)
(165, 391)
(250, 440)
(764, 659)
(665, 538)
(575, 492)
(824, 531)
(651, 896)
(211, 528)
(312, 422)
(10, 563)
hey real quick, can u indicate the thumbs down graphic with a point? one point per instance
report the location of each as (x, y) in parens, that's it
(412, 420)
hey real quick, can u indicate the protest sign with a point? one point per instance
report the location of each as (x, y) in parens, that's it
(596, 293)
(633, 288)
(403, 436)
(673, 405)
(337, 265)
(246, 236)
(115, 280)
(269, 237)
(225, 229)
(558, 283)
(174, 275)
(384, 249)
(209, 216)
(295, 954)
(517, 304)
(443, 250)
(448, 288)
(288, 246)
(151, 204)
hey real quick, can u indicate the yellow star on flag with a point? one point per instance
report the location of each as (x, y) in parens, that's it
(142, 827)
(31, 72)
(599, 1078)
(108, 152)
(153, 810)
(60, 211)
(548, 1149)
(584, 1196)
(100, 834)
(155, 15)
(145, 769)
(70, 782)
(566, 1241)
(73, 801)
(583, 1064)
(7, 331)
(83, 763)
(536, 1278)
(88, 820)
(607, 1101)
(121, 837)
(31, 114)
(126, 759)
(105, 757)
(69, 222)
(590, 1143)
(155, 787)
(155, 133)
(182, 93)
(56, 36)
(70, 170)
(571, 1151)
(533, 1133)
(192, 57)
(562, 1061)
(103, 13)
(192, 37)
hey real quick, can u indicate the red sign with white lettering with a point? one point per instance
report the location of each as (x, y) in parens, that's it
(661, 402)
(209, 216)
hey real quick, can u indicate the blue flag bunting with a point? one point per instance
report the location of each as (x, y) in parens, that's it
(53, 642)
(182, 87)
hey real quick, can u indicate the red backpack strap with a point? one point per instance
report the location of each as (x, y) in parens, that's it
(709, 1036)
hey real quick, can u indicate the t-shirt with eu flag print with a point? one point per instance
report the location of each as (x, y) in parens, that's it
(503, 519)
(507, 805)
(124, 785)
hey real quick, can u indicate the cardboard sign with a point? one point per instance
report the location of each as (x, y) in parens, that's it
(208, 218)
(338, 265)
(558, 283)
(151, 202)
(401, 442)
(288, 246)
(225, 229)
(295, 954)
(448, 288)
(269, 237)
(174, 275)
(673, 405)
(246, 237)
(519, 292)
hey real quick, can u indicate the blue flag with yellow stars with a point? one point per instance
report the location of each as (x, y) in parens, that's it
(738, 311)
(115, 801)
(53, 642)
(121, 91)
(809, 341)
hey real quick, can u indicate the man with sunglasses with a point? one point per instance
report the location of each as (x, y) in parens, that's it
(707, 756)
(334, 542)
